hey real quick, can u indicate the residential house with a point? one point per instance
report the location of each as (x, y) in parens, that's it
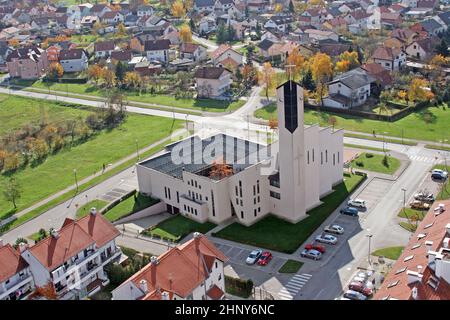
(391, 59)
(191, 271)
(279, 22)
(422, 49)
(73, 60)
(318, 35)
(89, 21)
(212, 82)
(16, 281)
(207, 25)
(145, 10)
(334, 50)
(316, 16)
(432, 27)
(131, 20)
(112, 17)
(349, 90)
(124, 56)
(444, 19)
(357, 20)
(72, 260)
(391, 20)
(5, 50)
(27, 63)
(422, 272)
(405, 35)
(225, 51)
(146, 69)
(204, 5)
(193, 51)
(257, 6)
(103, 49)
(265, 46)
(336, 25)
(99, 10)
(157, 50)
(223, 5)
(383, 76)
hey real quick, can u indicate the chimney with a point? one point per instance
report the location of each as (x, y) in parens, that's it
(429, 245)
(143, 285)
(414, 293)
(165, 295)
(154, 260)
(22, 247)
(414, 277)
(447, 228)
(197, 236)
(93, 211)
(54, 233)
(419, 269)
(1, 243)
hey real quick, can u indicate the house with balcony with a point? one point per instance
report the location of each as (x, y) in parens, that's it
(422, 272)
(72, 260)
(350, 89)
(391, 59)
(191, 271)
(27, 63)
(73, 60)
(16, 281)
(212, 82)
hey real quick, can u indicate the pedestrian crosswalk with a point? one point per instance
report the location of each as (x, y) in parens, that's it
(422, 158)
(293, 287)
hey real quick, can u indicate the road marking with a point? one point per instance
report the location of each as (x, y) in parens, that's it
(293, 286)
(298, 281)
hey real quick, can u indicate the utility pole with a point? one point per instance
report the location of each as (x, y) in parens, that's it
(369, 236)
(76, 180)
(137, 150)
(404, 203)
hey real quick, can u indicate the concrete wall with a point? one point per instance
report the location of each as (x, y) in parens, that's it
(157, 208)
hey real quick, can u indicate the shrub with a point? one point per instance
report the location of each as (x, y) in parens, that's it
(386, 161)
(359, 163)
(369, 155)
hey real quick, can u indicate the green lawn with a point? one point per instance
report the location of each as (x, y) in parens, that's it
(413, 125)
(84, 210)
(411, 227)
(108, 146)
(392, 253)
(178, 227)
(380, 138)
(210, 105)
(280, 235)
(375, 163)
(444, 192)
(129, 206)
(357, 146)
(437, 147)
(412, 214)
(291, 266)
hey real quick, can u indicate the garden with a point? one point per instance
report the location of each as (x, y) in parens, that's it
(376, 163)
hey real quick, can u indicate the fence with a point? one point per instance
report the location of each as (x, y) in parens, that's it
(66, 80)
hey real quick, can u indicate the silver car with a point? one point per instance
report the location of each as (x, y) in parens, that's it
(253, 256)
(326, 238)
(336, 229)
(357, 203)
(354, 295)
(311, 254)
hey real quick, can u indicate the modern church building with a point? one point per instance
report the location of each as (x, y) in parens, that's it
(224, 177)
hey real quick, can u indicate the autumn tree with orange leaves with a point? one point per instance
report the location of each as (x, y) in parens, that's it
(267, 77)
(178, 10)
(296, 60)
(322, 71)
(48, 291)
(185, 34)
(220, 169)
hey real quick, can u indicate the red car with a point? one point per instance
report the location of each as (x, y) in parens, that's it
(317, 247)
(360, 287)
(265, 258)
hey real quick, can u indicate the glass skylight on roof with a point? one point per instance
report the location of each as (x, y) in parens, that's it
(400, 270)
(429, 225)
(408, 258)
(393, 284)
(415, 246)
(421, 235)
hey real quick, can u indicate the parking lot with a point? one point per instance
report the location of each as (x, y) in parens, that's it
(374, 192)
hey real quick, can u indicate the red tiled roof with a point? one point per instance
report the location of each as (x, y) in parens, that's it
(385, 53)
(181, 269)
(74, 237)
(378, 72)
(189, 47)
(215, 293)
(221, 50)
(434, 228)
(10, 262)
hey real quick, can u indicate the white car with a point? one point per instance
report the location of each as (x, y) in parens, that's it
(326, 238)
(312, 254)
(361, 277)
(354, 295)
(336, 229)
(253, 256)
(357, 203)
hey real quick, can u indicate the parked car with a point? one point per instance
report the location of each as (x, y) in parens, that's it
(357, 203)
(326, 238)
(354, 295)
(318, 247)
(336, 229)
(311, 254)
(427, 197)
(360, 277)
(253, 256)
(265, 258)
(349, 211)
(416, 204)
(439, 174)
(361, 288)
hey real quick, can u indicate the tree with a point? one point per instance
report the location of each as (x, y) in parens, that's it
(342, 66)
(39, 148)
(291, 7)
(332, 121)
(48, 291)
(231, 33)
(307, 81)
(121, 30)
(12, 191)
(221, 34)
(109, 78)
(11, 162)
(273, 125)
(442, 48)
(267, 77)
(418, 90)
(248, 75)
(297, 60)
(55, 71)
(95, 72)
(14, 43)
(120, 71)
(351, 57)
(278, 8)
(178, 10)
(3, 155)
(185, 34)
(132, 80)
(192, 24)
(96, 27)
(322, 71)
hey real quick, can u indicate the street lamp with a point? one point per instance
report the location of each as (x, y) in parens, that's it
(404, 202)
(76, 180)
(369, 236)
(137, 151)
(384, 141)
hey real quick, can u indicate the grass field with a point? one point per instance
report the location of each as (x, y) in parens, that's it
(412, 214)
(411, 227)
(357, 146)
(56, 172)
(375, 163)
(84, 210)
(444, 192)
(392, 253)
(280, 235)
(413, 125)
(437, 147)
(210, 105)
(291, 266)
(176, 228)
(129, 206)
